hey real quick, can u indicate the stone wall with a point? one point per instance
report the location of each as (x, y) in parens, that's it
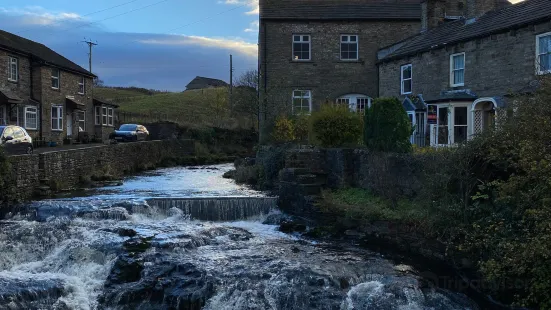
(494, 66)
(326, 75)
(67, 169)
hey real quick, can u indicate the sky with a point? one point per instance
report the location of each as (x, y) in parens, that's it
(158, 44)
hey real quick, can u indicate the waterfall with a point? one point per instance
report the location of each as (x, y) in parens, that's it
(217, 209)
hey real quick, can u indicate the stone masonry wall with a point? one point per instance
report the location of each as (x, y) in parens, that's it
(68, 86)
(495, 66)
(66, 169)
(325, 75)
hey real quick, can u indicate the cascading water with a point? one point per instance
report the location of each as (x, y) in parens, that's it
(115, 250)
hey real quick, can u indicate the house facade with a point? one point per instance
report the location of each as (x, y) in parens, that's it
(456, 73)
(317, 51)
(45, 93)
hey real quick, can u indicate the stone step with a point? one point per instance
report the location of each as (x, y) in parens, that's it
(307, 179)
(290, 174)
(310, 189)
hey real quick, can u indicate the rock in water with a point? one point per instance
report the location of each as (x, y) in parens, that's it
(164, 285)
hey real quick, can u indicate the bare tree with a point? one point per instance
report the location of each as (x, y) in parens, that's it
(246, 95)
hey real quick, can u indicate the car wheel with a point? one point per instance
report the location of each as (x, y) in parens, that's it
(29, 150)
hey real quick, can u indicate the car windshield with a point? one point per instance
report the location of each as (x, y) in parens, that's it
(1, 130)
(128, 127)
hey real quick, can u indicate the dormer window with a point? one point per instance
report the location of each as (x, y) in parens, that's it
(543, 51)
(301, 47)
(457, 70)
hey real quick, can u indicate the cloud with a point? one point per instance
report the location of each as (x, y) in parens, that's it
(252, 4)
(236, 45)
(36, 15)
(253, 27)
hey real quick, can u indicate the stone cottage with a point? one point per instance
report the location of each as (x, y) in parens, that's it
(47, 94)
(317, 51)
(462, 66)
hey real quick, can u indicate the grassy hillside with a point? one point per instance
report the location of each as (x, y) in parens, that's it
(198, 108)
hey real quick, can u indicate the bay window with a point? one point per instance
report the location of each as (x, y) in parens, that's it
(97, 115)
(104, 116)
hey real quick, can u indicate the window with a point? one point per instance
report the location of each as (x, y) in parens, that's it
(110, 117)
(31, 118)
(301, 47)
(343, 101)
(57, 118)
(13, 65)
(460, 125)
(55, 78)
(81, 86)
(457, 70)
(81, 121)
(543, 53)
(362, 104)
(104, 116)
(302, 101)
(349, 47)
(407, 78)
(443, 132)
(98, 115)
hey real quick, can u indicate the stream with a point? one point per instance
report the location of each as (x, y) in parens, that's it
(185, 238)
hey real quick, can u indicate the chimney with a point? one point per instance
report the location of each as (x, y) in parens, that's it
(433, 13)
(477, 8)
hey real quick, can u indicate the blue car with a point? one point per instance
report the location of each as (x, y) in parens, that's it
(130, 133)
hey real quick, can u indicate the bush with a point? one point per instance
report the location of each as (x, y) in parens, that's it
(336, 126)
(284, 131)
(301, 126)
(387, 126)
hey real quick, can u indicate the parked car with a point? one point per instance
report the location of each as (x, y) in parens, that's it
(15, 140)
(130, 132)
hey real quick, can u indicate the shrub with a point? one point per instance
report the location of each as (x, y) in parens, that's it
(6, 186)
(283, 130)
(387, 126)
(336, 126)
(301, 126)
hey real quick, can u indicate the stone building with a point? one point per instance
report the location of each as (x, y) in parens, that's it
(317, 51)
(47, 94)
(462, 66)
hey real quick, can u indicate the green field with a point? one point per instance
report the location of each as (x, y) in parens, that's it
(196, 108)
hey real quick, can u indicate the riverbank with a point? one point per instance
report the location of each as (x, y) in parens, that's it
(41, 175)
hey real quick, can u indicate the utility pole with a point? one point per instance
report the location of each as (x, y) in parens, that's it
(90, 45)
(231, 84)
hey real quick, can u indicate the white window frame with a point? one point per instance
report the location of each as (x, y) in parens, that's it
(353, 101)
(538, 55)
(402, 79)
(82, 83)
(97, 115)
(83, 114)
(302, 41)
(308, 97)
(58, 119)
(104, 116)
(11, 62)
(349, 42)
(452, 70)
(53, 77)
(110, 117)
(28, 111)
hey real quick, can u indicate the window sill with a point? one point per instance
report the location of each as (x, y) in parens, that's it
(543, 72)
(352, 61)
(301, 61)
(81, 94)
(457, 85)
(57, 130)
(13, 81)
(405, 94)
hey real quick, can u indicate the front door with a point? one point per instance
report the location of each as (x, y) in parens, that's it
(69, 124)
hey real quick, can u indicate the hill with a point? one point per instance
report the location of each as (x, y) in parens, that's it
(196, 108)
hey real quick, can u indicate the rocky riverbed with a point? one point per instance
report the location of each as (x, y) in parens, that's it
(111, 249)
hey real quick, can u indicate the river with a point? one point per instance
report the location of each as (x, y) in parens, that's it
(144, 245)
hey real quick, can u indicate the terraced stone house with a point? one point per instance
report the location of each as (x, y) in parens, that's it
(47, 94)
(461, 68)
(317, 51)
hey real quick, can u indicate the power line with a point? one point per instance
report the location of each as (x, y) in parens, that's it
(96, 12)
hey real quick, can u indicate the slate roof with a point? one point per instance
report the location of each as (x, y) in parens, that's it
(353, 10)
(200, 82)
(10, 96)
(27, 47)
(511, 17)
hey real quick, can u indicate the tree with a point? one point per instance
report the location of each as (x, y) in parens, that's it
(387, 126)
(98, 82)
(245, 96)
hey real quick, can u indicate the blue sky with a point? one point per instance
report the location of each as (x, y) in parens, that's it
(158, 44)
